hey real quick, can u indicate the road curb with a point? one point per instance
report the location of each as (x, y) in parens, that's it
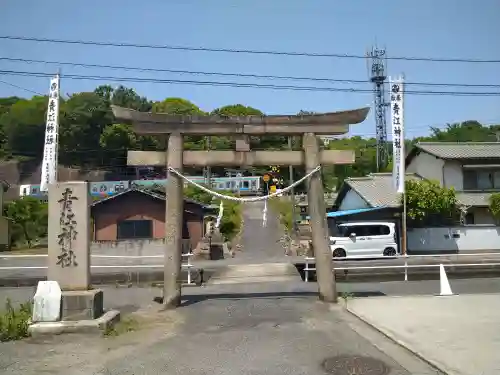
(387, 333)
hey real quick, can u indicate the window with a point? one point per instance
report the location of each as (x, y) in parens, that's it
(481, 179)
(245, 184)
(377, 230)
(346, 231)
(131, 229)
(364, 230)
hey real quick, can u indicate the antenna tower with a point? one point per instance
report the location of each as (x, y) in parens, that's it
(378, 78)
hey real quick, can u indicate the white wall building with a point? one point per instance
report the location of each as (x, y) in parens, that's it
(471, 168)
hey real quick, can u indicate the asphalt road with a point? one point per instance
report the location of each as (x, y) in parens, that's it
(234, 329)
(29, 270)
(130, 299)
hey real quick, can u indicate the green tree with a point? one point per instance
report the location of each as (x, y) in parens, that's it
(83, 119)
(24, 127)
(365, 156)
(29, 218)
(427, 203)
(116, 140)
(177, 106)
(7, 103)
(124, 97)
(231, 218)
(197, 194)
(467, 131)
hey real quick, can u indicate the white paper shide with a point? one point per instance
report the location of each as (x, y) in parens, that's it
(49, 165)
(398, 144)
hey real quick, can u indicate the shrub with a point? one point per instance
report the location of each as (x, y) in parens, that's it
(14, 322)
(231, 218)
(495, 206)
(283, 207)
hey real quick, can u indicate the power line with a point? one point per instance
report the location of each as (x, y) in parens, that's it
(241, 75)
(242, 85)
(21, 88)
(245, 51)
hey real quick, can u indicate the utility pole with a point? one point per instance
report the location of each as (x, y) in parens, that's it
(378, 78)
(208, 169)
(292, 190)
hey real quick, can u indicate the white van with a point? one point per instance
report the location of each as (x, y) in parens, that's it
(364, 239)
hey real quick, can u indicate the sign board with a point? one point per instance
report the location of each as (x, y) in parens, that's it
(47, 302)
(50, 149)
(398, 139)
(266, 178)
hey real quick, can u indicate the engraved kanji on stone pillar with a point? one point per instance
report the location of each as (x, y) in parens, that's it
(69, 235)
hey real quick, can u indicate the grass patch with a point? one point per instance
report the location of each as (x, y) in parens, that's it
(14, 322)
(346, 296)
(125, 325)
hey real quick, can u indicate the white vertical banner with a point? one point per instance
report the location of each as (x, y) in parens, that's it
(398, 138)
(50, 159)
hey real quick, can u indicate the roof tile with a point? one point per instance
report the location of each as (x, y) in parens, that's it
(463, 150)
(377, 188)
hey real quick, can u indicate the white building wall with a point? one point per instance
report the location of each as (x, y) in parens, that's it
(452, 175)
(427, 166)
(352, 201)
(482, 216)
(461, 239)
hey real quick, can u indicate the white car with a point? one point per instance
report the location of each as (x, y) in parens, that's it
(364, 239)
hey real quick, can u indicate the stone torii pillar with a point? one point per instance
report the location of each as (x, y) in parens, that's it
(308, 126)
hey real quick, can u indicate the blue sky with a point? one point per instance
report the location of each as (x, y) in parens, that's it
(424, 28)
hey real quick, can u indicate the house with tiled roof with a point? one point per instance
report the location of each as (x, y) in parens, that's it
(471, 168)
(139, 214)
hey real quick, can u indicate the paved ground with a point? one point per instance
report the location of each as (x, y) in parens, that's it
(245, 329)
(460, 334)
(260, 244)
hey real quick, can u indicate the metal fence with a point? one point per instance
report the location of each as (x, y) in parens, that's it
(186, 263)
(311, 261)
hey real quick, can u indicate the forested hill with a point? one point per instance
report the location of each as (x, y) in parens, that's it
(90, 138)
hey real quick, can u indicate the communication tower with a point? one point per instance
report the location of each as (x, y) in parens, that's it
(378, 78)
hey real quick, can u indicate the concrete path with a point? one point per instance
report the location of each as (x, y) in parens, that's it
(254, 329)
(459, 334)
(260, 244)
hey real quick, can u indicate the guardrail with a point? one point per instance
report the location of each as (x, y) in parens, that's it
(188, 265)
(312, 260)
(309, 262)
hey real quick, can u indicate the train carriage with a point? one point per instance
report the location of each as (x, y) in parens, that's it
(245, 185)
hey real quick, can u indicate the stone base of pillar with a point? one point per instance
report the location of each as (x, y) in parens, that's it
(82, 305)
(82, 311)
(99, 325)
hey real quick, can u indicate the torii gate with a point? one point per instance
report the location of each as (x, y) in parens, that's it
(175, 127)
